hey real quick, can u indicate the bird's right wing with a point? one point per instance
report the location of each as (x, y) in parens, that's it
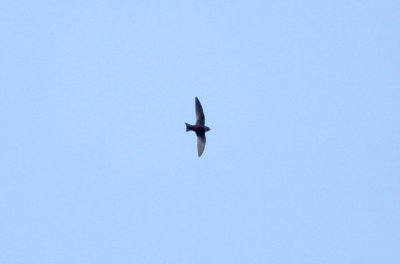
(201, 144)
(199, 113)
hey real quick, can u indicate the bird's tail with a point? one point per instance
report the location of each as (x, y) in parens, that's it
(188, 127)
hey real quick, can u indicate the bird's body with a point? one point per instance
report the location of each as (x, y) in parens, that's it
(199, 128)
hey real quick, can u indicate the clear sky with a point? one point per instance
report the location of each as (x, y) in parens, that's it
(302, 163)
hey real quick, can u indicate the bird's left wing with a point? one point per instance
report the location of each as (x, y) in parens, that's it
(201, 144)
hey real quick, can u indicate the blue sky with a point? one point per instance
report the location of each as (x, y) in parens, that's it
(301, 164)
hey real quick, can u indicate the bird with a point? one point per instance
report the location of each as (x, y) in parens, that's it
(200, 128)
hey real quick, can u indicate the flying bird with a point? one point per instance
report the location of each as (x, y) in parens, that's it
(199, 128)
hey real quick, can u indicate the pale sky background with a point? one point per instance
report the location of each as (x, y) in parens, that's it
(302, 164)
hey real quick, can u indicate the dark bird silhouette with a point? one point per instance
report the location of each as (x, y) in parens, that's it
(199, 128)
